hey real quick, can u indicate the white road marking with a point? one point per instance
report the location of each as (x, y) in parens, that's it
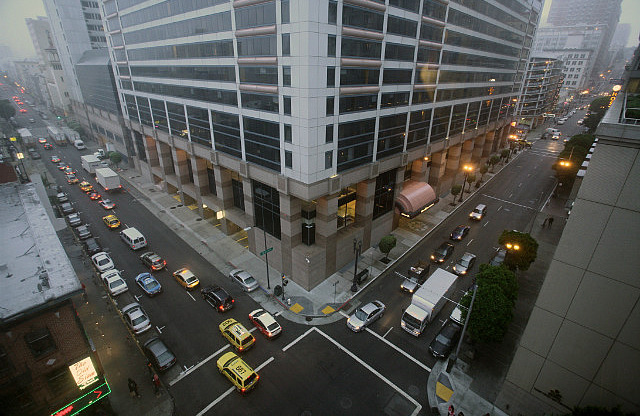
(382, 338)
(485, 224)
(195, 367)
(343, 313)
(368, 367)
(499, 208)
(469, 243)
(226, 393)
(520, 184)
(160, 328)
(292, 343)
(510, 195)
(191, 296)
(508, 202)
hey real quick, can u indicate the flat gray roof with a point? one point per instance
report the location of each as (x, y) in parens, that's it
(34, 268)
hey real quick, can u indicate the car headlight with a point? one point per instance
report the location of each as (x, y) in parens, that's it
(433, 257)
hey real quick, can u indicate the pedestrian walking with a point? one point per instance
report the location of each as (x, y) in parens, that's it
(452, 411)
(156, 383)
(550, 221)
(133, 388)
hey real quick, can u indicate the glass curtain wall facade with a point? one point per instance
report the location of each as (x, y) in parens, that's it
(312, 96)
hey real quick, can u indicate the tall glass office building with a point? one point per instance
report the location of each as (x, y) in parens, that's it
(319, 121)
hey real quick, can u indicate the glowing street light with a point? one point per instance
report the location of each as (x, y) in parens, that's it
(467, 169)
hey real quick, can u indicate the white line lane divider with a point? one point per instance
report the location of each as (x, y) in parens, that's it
(508, 202)
(382, 338)
(191, 296)
(469, 243)
(368, 367)
(195, 367)
(292, 343)
(226, 393)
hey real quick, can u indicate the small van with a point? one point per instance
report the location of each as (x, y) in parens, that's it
(134, 238)
(478, 212)
(79, 144)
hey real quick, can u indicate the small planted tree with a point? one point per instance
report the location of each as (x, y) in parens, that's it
(493, 160)
(115, 158)
(505, 154)
(522, 249)
(471, 179)
(455, 191)
(483, 169)
(386, 244)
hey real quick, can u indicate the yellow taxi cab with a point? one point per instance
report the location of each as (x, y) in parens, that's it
(243, 377)
(186, 278)
(85, 186)
(236, 334)
(111, 221)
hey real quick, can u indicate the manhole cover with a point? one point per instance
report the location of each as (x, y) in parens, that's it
(308, 319)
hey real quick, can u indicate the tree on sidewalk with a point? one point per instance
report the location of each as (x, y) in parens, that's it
(493, 160)
(505, 154)
(455, 191)
(483, 169)
(115, 158)
(386, 244)
(6, 109)
(522, 249)
(471, 178)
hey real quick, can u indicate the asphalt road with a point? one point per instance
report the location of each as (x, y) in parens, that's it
(307, 370)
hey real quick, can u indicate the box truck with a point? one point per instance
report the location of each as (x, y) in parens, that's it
(27, 137)
(57, 136)
(427, 301)
(72, 135)
(90, 163)
(108, 179)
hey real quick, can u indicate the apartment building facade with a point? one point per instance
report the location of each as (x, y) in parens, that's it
(322, 123)
(540, 91)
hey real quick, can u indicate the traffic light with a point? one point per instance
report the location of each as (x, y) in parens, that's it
(285, 281)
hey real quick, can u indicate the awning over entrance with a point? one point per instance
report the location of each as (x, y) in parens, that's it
(416, 197)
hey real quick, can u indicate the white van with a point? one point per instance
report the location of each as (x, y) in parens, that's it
(79, 144)
(478, 212)
(133, 238)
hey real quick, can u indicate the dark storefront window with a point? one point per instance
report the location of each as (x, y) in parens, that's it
(238, 194)
(211, 181)
(266, 206)
(383, 199)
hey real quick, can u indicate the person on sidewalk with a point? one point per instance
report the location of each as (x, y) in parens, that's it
(133, 388)
(550, 221)
(156, 384)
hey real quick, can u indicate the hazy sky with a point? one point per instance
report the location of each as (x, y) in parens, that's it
(14, 33)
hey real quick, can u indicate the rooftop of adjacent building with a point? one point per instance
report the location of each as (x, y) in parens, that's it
(34, 270)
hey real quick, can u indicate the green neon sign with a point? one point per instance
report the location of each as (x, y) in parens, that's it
(84, 401)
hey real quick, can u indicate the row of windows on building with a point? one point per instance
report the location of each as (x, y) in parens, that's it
(355, 139)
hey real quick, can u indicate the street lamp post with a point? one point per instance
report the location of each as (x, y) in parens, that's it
(467, 169)
(454, 357)
(357, 248)
(262, 193)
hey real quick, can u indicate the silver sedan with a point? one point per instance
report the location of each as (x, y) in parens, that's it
(244, 279)
(365, 315)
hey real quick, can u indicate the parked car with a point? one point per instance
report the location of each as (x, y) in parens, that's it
(459, 232)
(217, 297)
(244, 279)
(67, 208)
(91, 246)
(62, 197)
(136, 319)
(442, 253)
(83, 232)
(148, 284)
(365, 315)
(465, 264)
(102, 262)
(113, 282)
(265, 322)
(74, 219)
(499, 257)
(446, 339)
(153, 261)
(159, 354)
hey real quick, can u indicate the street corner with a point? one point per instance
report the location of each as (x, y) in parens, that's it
(444, 388)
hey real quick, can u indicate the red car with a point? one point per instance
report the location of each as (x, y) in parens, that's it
(94, 196)
(23, 110)
(48, 146)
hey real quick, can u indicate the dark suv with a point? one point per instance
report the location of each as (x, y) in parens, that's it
(92, 246)
(442, 253)
(217, 297)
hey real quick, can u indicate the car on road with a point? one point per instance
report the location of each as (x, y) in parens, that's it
(465, 264)
(186, 278)
(62, 197)
(459, 232)
(446, 339)
(83, 232)
(94, 196)
(71, 179)
(67, 208)
(265, 322)
(23, 110)
(236, 334)
(85, 186)
(555, 137)
(48, 146)
(91, 246)
(244, 279)
(159, 354)
(102, 262)
(499, 257)
(55, 159)
(238, 372)
(62, 166)
(107, 204)
(113, 282)
(148, 284)
(69, 171)
(365, 315)
(478, 212)
(111, 221)
(153, 261)
(442, 253)
(217, 297)
(136, 319)
(34, 155)
(74, 219)
(42, 140)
